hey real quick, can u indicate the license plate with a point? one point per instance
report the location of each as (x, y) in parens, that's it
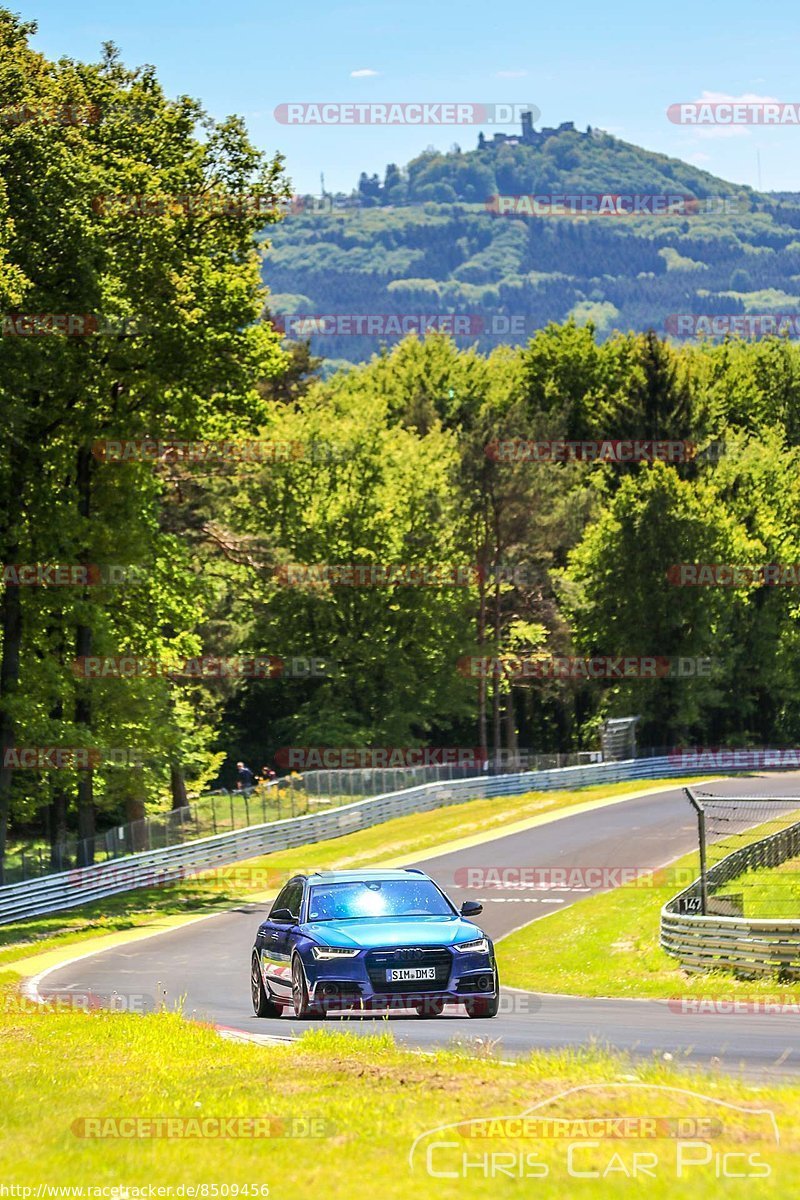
(402, 973)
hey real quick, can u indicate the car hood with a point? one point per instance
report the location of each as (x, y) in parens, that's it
(392, 931)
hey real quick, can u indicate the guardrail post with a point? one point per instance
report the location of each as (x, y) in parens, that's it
(233, 823)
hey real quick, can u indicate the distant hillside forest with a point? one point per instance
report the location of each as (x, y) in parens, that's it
(425, 241)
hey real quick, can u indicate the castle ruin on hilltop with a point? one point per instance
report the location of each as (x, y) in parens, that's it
(529, 136)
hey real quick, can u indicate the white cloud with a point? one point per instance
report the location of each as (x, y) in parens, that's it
(730, 131)
(364, 73)
(698, 157)
(511, 74)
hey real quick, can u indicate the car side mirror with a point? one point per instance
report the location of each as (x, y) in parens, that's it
(471, 908)
(281, 914)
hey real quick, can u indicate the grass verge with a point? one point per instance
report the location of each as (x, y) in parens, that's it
(76, 1089)
(417, 833)
(607, 945)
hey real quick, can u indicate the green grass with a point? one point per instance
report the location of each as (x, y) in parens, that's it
(416, 833)
(607, 945)
(770, 891)
(62, 1069)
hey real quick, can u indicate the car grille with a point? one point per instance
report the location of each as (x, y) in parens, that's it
(379, 961)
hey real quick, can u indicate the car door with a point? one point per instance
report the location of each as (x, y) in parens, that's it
(276, 940)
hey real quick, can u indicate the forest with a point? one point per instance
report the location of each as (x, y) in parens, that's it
(216, 547)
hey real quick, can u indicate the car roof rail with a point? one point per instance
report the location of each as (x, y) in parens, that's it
(414, 870)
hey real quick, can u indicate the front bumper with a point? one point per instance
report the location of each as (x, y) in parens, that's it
(361, 982)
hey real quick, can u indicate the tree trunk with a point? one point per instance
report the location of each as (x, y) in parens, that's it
(511, 731)
(12, 642)
(58, 829)
(83, 704)
(496, 674)
(483, 738)
(177, 785)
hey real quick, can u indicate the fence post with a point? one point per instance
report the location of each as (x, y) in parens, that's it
(701, 833)
(214, 812)
(246, 811)
(230, 797)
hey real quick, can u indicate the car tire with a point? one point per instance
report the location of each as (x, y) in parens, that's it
(303, 1008)
(485, 1006)
(430, 1008)
(262, 1005)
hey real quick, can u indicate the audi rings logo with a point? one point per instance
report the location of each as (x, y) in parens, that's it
(408, 955)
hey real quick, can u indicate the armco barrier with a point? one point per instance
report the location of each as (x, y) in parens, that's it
(748, 946)
(83, 885)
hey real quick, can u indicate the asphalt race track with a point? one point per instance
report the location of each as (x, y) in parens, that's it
(205, 966)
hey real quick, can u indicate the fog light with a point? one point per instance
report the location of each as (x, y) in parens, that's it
(485, 983)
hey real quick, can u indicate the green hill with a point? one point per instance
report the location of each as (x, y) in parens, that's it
(429, 240)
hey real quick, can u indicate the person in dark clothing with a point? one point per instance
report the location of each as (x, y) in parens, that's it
(246, 777)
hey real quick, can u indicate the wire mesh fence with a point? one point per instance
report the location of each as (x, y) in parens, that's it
(749, 854)
(216, 812)
(223, 811)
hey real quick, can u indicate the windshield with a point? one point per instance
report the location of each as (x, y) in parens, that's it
(377, 898)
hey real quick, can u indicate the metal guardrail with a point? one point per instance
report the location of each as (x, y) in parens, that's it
(748, 946)
(222, 810)
(84, 885)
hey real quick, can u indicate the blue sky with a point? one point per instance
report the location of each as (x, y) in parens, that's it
(617, 66)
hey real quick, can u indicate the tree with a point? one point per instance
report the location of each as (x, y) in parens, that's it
(170, 277)
(621, 595)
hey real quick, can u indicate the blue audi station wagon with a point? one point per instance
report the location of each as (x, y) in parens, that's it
(371, 939)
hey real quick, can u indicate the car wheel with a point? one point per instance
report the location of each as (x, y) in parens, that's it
(302, 1005)
(430, 1008)
(262, 1005)
(485, 1006)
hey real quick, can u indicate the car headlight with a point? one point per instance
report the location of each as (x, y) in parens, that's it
(478, 946)
(328, 952)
